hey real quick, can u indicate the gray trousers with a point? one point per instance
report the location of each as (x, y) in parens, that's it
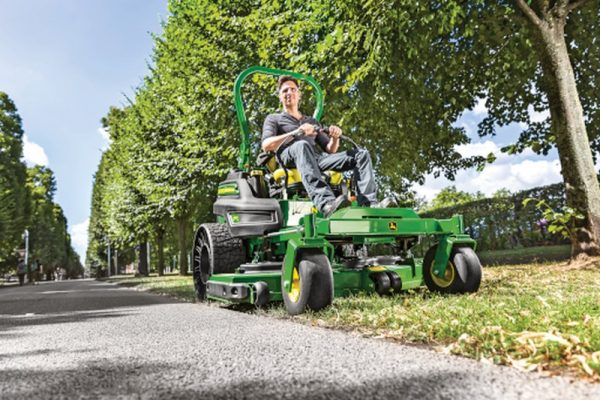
(302, 155)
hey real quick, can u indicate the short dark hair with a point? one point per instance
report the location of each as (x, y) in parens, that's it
(285, 78)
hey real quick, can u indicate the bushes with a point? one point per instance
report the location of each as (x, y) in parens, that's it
(504, 222)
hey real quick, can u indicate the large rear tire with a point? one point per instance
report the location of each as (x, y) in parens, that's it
(215, 251)
(312, 284)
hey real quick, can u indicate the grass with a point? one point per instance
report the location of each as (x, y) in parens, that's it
(525, 255)
(177, 286)
(543, 317)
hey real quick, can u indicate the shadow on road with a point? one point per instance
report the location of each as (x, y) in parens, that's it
(42, 352)
(70, 301)
(179, 381)
(12, 322)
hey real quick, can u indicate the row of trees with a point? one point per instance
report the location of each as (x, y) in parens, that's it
(397, 75)
(27, 202)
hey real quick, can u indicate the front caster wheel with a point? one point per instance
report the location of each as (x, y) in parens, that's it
(311, 285)
(462, 275)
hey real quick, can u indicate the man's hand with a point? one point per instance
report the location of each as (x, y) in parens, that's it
(308, 129)
(335, 131)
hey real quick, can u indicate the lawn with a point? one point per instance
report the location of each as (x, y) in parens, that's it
(525, 255)
(543, 317)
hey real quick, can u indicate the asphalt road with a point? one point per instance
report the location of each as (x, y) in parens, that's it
(87, 339)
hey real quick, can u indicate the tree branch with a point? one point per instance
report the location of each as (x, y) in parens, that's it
(545, 7)
(575, 4)
(560, 9)
(529, 13)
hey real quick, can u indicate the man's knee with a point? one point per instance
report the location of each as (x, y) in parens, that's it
(301, 145)
(362, 155)
(303, 148)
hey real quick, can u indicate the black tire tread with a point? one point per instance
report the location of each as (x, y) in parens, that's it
(458, 285)
(321, 292)
(317, 289)
(227, 252)
(474, 270)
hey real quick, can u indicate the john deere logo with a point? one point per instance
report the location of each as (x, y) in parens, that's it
(392, 225)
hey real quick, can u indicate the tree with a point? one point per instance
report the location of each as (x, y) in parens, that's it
(49, 240)
(450, 197)
(416, 65)
(14, 196)
(547, 23)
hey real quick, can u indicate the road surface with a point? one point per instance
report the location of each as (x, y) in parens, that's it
(88, 339)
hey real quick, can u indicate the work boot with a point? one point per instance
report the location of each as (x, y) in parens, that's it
(340, 202)
(388, 202)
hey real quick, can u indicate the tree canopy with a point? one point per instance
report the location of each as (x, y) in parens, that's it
(27, 202)
(397, 75)
(14, 197)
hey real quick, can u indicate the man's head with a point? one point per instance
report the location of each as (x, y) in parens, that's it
(289, 92)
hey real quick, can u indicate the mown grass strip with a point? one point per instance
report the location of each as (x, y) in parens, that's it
(177, 286)
(525, 255)
(543, 317)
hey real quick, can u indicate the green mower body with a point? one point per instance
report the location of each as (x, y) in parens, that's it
(268, 245)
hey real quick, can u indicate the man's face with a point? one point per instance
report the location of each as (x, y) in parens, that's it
(289, 94)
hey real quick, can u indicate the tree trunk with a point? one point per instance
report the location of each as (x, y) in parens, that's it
(143, 261)
(182, 224)
(160, 242)
(572, 142)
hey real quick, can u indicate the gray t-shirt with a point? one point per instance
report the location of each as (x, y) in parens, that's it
(278, 124)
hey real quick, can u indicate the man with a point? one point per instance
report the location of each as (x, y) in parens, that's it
(21, 270)
(300, 152)
(34, 275)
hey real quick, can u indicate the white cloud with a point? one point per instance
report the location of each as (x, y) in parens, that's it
(487, 147)
(104, 133)
(535, 116)
(477, 149)
(467, 127)
(480, 107)
(33, 153)
(79, 238)
(515, 173)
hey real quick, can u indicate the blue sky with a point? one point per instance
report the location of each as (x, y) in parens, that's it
(64, 62)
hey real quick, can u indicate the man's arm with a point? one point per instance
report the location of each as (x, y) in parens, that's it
(334, 139)
(271, 141)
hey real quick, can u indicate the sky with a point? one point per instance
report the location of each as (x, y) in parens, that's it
(65, 62)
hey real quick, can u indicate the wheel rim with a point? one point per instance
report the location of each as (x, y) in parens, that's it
(294, 294)
(447, 279)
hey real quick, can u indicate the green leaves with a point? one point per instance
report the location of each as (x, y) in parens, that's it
(14, 196)
(562, 222)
